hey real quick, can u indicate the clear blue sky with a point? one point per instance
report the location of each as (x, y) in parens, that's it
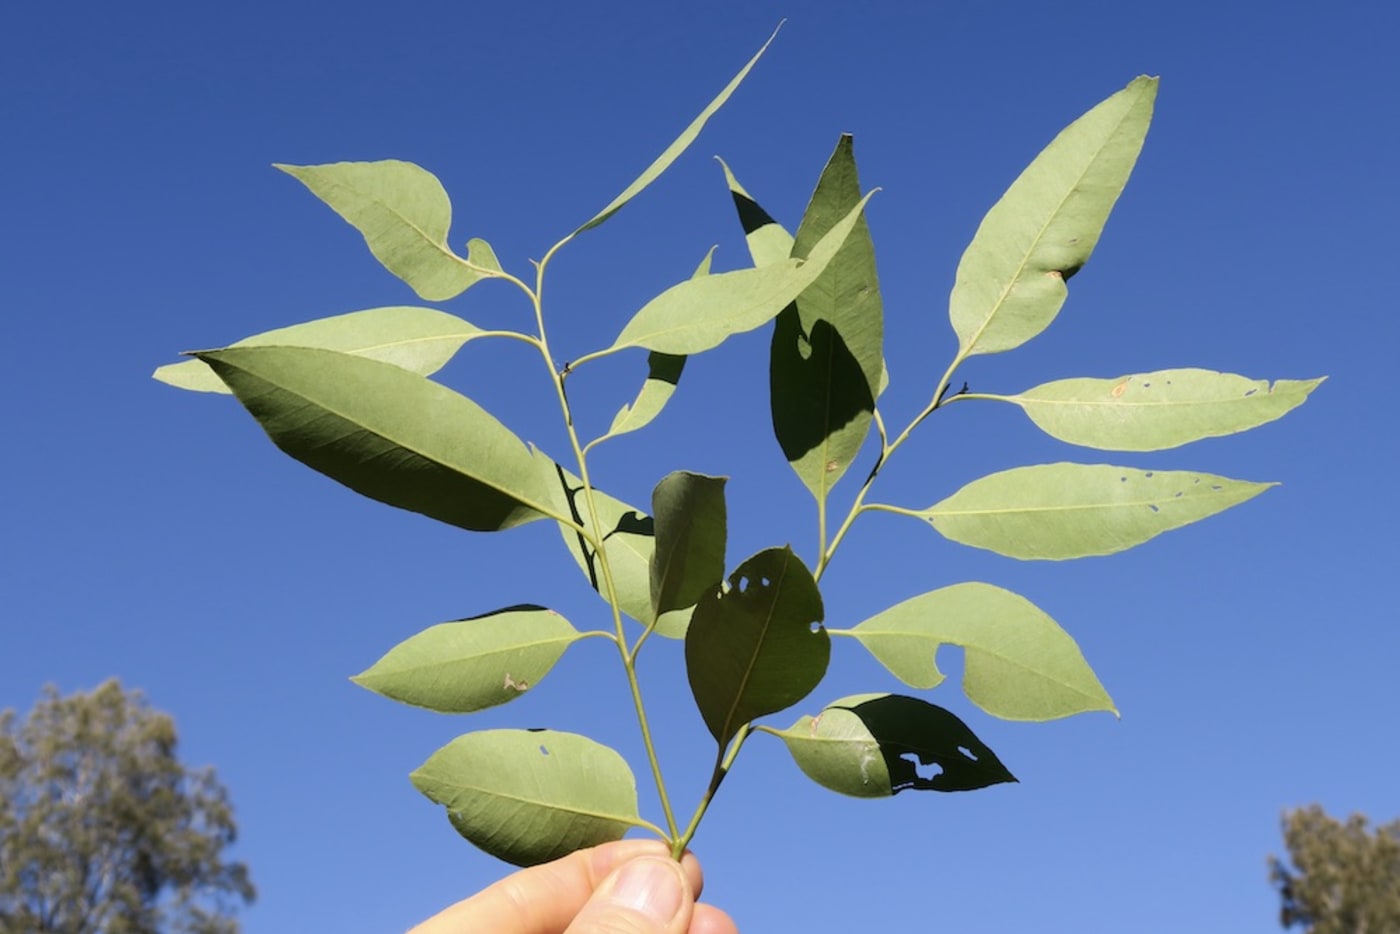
(156, 536)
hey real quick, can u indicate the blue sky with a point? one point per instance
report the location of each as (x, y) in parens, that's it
(156, 536)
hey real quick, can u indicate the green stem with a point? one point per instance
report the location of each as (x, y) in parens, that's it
(886, 452)
(723, 763)
(600, 549)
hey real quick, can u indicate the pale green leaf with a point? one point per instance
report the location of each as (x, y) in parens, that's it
(1010, 283)
(768, 242)
(475, 663)
(404, 214)
(699, 314)
(825, 362)
(756, 646)
(1059, 511)
(629, 538)
(872, 746)
(1155, 411)
(663, 373)
(421, 340)
(390, 435)
(678, 146)
(1019, 663)
(690, 526)
(531, 796)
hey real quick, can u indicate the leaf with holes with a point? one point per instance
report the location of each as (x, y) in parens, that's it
(1060, 511)
(630, 538)
(690, 530)
(420, 340)
(475, 663)
(1155, 411)
(530, 796)
(1019, 665)
(877, 745)
(404, 215)
(757, 646)
(379, 430)
(1010, 282)
(701, 313)
(681, 143)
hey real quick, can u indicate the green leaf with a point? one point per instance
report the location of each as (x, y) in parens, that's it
(1059, 511)
(531, 796)
(768, 242)
(404, 214)
(663, 373)
(630, 538)
(420, 340)
(1155, 411)
(825, 362)
(1019, 664)
(475, 663)
(757, 646)
(688, 560)
(678, 146)
(699, 314)
(1011, 281)
(873, 745)
(390, 435)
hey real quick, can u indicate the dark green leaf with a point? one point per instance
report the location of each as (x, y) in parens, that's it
(1010, 283)
(757, 646)
(1019, 664)
(475, 663)
(877, 745)
(1155, 411)
(390, 435)
(825, 362)
(420, 340)
(690, 531)
(530, 796)
(404, 214)
(1059, 511)
(630, 538)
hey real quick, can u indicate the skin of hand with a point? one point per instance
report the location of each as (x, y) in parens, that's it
(626, 887)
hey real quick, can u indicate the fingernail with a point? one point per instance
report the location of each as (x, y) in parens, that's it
(652, 886)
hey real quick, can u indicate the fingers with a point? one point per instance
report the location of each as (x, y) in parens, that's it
(545, 899)
(710, 920)
(648, 895)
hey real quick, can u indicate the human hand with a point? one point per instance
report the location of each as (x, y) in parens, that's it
(627, 887)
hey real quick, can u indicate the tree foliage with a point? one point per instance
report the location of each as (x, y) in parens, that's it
(103, 830)
(1344, 878)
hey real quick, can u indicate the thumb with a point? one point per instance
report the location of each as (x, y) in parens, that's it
(648, 895)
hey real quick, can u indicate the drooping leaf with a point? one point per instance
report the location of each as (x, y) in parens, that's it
(877, 745)
(663, 373)
(404, 214)
(420, 340)
(530, 796)
(1155, 411)
(678, 146)
(1010, 283)
(825, 359)
(1020, 665)
(757, 646)
(475, 663)
(630, 538)
(390, 435)
(699, 314)
(1059, 511)
(690, 530)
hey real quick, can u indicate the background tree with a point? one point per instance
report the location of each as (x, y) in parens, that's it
(1344, 877)
(103, 831)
